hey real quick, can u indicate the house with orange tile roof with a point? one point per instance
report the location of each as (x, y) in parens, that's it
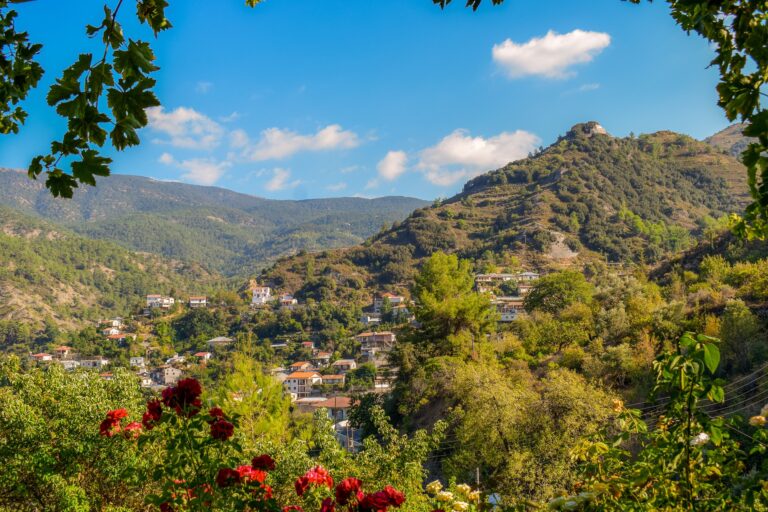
(301, 384)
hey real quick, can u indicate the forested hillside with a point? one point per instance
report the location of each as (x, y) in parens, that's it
(589, 197)
(50, 273)
(226, 231)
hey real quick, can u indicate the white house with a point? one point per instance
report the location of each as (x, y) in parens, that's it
(203, 356)
(377, 339)
(371, 318)
(96, 362)
(199, 301)
(394, 300)
(107, 331)
(42, 356)
(337, 407)
(166, 375)
(300, 384)
(62, 352)
(69, 364)
(116, 322)
(287, 301)
(145, 379)
(160, 301)
(344, 365)
(137, 362)
(334, 380)
(301, 366)
(261, 295)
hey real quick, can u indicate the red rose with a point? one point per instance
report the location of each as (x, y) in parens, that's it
(132, 430)
(264, 462)
(327, 505)
(109, 427)
(222, 429)
(396, 498)
(184, 398)
(376, 502)
(117, 414)
(249, 474)
(227, 477)
(301, 485)
(166, 507)
(216, 414)
(348, 489)
(153, 414)
(267, 492)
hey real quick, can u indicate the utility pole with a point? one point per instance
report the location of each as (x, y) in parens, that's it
(477, 477)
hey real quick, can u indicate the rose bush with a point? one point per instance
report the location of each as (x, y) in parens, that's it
(201, 464)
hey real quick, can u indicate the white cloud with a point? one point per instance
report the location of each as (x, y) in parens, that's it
(238, 139)
(276, 143)
(201, 171)
(234, 116)
(392, 165)
(349, 168)
(459, 155)
(589, 87)
(549, 56)
(185, 128)
(280, 181)
(373, 183)
(337, 186)
(203, 87)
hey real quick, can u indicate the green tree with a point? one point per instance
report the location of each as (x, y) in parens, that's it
(452, 315)
(742, 338)
(554, 292)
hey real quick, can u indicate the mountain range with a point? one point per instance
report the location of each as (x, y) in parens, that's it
(589, 198)
(228, 232)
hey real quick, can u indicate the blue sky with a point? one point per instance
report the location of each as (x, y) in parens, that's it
(308, 98)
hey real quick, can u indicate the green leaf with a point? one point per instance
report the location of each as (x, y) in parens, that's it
(90, 166)
(711, 356)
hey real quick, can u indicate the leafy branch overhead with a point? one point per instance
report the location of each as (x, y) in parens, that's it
(738, 29)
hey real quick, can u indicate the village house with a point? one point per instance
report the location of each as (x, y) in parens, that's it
(95, 362)
(137, 362)
(337, 407)
(344, 365)
(288, 302)
(380, 300)
(42, 356)
(145, 380)
(176, 359)
(106, 376)
(308, 344)
(369, 354)
(377, 339)
(524, 288)
(487, 282)
(301, 366)
(371, 318)
(306, 405)
(300, 384)
(120, 337)
(69, 364)
(508, 308)
(261, 295)
(219, 342)
(160, 301)
(334, 380)
(202, 357)
(62, 352)
(116, 322)
(199, 301)
(108, 331)
(321, 359)
(166, 375)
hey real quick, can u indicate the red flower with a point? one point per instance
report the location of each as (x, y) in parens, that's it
(267, 492)
(227, 477)
(184, 398)
(216, 414)
(222, 429)
(153, 414)
(317, 476)
(292, 508)
(396, 498)
(376, 502)
(249, 474)
(166, 507)
(117, 414)
(264, 462)
(132, 430)
(347, 489)
(327, 505)
(109, 427)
